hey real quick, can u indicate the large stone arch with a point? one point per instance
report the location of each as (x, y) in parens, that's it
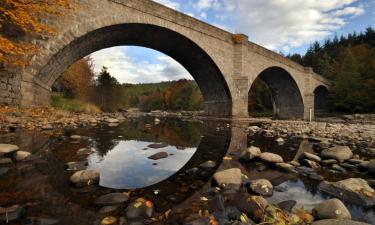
(287, 99)
(196, 61)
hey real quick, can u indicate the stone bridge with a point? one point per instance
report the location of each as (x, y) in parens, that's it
(223, 64)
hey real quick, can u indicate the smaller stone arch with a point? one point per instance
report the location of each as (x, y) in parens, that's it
(286, 97)
(321, 94)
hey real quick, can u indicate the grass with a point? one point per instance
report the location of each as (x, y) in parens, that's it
(72, 105)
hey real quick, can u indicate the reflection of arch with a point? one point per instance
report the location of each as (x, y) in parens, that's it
(320, 99)
(286, 96)
(199, 64)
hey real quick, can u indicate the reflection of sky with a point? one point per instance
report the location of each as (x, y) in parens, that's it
(126, 166)
(307, 199)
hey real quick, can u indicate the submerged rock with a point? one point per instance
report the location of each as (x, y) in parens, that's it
(112, 199)
(354, 190)
(159, 155)
(6, 149)
(75, 166)
(331, 209)
(208, 165)
(85, 178)
(139, 209)
(3, 170)
(5, 161)
(228, 179)
(339, 153)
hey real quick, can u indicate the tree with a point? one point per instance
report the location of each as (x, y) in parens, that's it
(21, 18)
(108, 91)
(77, 79)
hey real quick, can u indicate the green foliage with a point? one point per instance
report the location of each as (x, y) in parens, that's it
(72, 105)
(350, 63)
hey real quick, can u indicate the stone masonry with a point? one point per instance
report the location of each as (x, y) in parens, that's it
(223, 64)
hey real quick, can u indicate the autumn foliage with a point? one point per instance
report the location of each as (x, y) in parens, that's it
(77, 78)
(20, 19)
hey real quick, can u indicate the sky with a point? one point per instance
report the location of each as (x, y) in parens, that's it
(287, 26)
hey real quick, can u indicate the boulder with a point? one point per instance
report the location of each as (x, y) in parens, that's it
(250, 154)
(339, 153)
(338, 222)
(253, 206)
(229, 179)
(6, 149)
(354, 190)
(331, 209)
(112, 199)
(85, 178)
(159, 155)
(271, 157)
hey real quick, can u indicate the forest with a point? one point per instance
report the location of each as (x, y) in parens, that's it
(348, 61)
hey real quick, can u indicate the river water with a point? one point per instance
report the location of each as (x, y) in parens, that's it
(41, 183)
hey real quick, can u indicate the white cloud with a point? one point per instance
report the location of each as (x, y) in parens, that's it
(170, 3)
(128, 69)
(283, 24)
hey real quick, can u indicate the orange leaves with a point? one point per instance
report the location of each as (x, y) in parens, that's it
(23, 17)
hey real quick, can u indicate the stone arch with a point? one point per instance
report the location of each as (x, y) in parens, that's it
(286, 97)
(196, 61)
(320, 99)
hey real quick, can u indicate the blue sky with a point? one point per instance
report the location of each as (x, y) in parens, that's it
(287, 26)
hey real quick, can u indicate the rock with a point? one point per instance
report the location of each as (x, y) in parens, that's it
(12, 213)
(159, 155)
(294, 163)
(261, 186)
(85, 177)
(112, 199)
(364, 165)
(280, 141)
(339, 168)
(328, 162)
(5, 161)
(250, 154)
(316, 177)
(338, 222)
(6, 149)
(253, 206)
(110, 120)
(157, 145)
(113, 124)
(156, 121)
(208, 165)
(339, 153)
(76, 166)
(21, 155)
(228, 179)
(75, 137)
(287, 205)
(47, 127)
(109, 220)
(354, 190)
(108, 210)
(285, 167)
(3, 170)
(312, 164)
(139, 209)
(371, 166)
(84, 151)
(310, 156)
(271, 157)
(331, 209)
